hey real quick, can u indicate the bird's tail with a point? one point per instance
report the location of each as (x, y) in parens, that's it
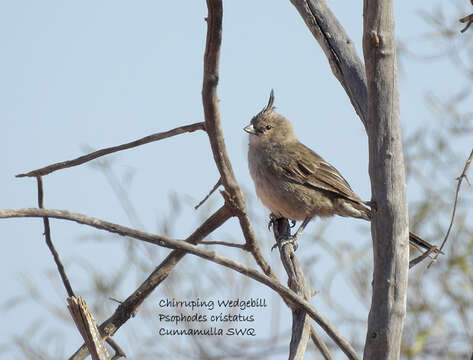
(418, 242)
(414, 240)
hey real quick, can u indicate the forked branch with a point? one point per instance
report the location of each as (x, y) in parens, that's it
(129, 307)
(192, 249)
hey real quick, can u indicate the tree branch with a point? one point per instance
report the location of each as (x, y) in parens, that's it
(468, 20)
(217, 184)
(296, 282)
(214, 130)
(87, 326)
(390, 224)
(339, 50)
(130, 306)
(96, 154)
(192, 249)
(224, 243)
(49, 241)
(320, 344)
(457, 192)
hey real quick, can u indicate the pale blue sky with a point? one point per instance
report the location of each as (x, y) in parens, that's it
(98, 74)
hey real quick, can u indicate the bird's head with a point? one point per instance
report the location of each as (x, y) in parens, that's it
(269, 127)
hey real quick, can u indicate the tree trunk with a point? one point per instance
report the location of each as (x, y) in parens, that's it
(390, 225)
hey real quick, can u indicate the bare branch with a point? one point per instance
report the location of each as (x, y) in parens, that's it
(214, 130)
(192, 249)
(96, 154)
(209, 97)
(296, 282)
(339, 50)
(119, 353)
(130, 306)
(301, 328)
(320, 344)
(219, 182)
(224, 243)
(457, 192)
(88, 328)
(49, 242)
(390, 224)
(94, 222)
(468, 20)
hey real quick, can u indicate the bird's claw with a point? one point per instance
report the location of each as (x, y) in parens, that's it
(371, 204)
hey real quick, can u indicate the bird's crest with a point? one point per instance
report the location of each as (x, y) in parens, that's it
(269, 106)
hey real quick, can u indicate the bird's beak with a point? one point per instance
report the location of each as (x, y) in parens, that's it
(250, 129)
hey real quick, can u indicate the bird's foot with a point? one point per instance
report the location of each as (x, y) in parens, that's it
(371, 204)
(273, 218)
(286, 240)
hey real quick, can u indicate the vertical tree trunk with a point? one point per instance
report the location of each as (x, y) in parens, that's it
(390, 222)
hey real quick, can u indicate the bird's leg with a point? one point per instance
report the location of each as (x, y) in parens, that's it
(292, 239)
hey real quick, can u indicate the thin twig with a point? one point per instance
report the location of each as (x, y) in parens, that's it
(459, 179)
(49, 242)
(468, 20)
(65, 280)
(219, 182)
(224, 243)
(94, 155)
(119, 353)
(164, 241)
(113, 299)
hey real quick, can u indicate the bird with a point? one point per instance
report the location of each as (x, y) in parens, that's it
(296, 183)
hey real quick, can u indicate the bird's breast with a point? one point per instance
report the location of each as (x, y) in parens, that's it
(278, 194)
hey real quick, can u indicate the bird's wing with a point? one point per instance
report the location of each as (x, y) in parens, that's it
(307, 168)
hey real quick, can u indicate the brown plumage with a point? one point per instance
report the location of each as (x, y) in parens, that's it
(293, 181)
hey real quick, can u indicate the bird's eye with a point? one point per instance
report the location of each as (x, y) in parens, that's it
(268, 127)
